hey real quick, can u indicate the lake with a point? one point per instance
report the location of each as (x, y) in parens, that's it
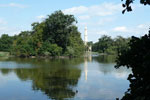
(91, 78)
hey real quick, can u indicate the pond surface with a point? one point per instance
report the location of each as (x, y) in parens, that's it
(92, 78)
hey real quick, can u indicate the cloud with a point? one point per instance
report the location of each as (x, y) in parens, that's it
(143, 26)
(105, 20)
(84, 17)
(95, 17)
(103, 9)
(41, 17)
(103, 32)
(3, 22)
(2, 28)
(10, 30)
(120, 29)
(76, 10)
(13, 5)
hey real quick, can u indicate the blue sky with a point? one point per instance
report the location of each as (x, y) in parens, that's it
(102, 17)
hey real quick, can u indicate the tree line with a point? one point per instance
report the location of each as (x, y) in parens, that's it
(57, 35)
(108, 45)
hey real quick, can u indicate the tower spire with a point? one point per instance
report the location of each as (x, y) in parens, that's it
(85, 36)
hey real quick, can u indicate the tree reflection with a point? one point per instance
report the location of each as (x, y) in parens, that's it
(57, 82)
(105, 59)
(107, 63)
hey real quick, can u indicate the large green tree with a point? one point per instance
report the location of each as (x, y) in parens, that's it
(58, 28)
(6, 43)
(56, 35)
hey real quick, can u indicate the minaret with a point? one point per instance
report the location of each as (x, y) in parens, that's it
(85, 36)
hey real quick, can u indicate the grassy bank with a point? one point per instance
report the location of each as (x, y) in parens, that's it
(4, 54)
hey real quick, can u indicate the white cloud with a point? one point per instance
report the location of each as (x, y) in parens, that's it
(120, 29)
(76, 10)
(143, 26)
(3, 22)
(103, 32)
(41, 17)
(84, 17)
(13, 5)
(95, 17)
(105, 20)
(2, 28)
(95, 10)
(10, 30)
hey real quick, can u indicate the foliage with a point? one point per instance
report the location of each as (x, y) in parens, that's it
(121, 44)
(57, 35)
(22, 46)
(103, 43)
(58, 29)
(6, 43)
(75, 45)
(137, 58)
(127, 4)
(111, 46)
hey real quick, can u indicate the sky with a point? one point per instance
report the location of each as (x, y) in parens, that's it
(101, 17)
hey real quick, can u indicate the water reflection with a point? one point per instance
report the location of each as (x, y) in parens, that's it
(86, 60)
(58, 82)
(106, 66)
(105, 59)
(90, 78)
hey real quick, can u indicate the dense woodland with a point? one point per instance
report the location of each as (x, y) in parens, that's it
(108, 45)
(57, 35)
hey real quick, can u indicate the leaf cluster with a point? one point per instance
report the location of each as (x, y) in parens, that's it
(127, 5)
(137, 57)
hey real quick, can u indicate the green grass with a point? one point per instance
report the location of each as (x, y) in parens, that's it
(4, 54)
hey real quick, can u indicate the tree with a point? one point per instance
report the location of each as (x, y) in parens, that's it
(127, 4)
(137, 58)
(56, 35)
(58, 28)
(104, 42)
(23, 45)
(37, 35)
(6, 43)
(121, 44)
(75, 45)
(111, 46)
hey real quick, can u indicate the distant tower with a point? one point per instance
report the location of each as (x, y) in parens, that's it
(85, 36)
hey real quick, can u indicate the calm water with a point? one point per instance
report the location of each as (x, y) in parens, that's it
(93, 78)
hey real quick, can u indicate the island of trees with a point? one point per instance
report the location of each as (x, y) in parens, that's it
(57, 35)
